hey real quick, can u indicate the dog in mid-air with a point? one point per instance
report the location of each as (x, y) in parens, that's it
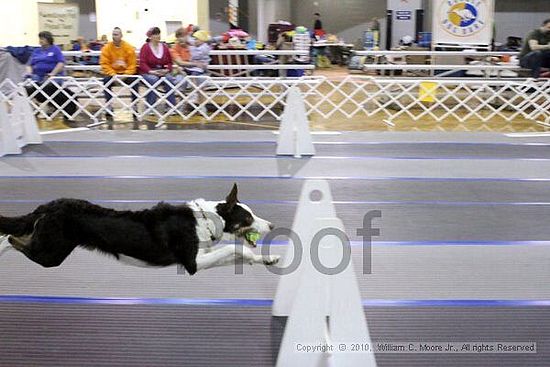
(160, 236)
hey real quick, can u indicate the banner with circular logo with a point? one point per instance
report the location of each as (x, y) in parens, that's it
(463, 22)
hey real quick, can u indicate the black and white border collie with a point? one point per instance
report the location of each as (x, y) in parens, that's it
(161, 236)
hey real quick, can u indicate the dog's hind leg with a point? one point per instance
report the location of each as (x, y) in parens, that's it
(47, 245)
(18, 226)
(21, 241)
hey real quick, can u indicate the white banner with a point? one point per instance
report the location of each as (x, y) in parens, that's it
(463, 22)
(60, 19)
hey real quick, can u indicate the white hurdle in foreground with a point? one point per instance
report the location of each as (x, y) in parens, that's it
(17, 128)
(307, 296)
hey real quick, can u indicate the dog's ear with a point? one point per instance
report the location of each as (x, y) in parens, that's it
(231, 199)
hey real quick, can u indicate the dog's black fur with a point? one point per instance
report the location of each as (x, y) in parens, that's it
(160, 236)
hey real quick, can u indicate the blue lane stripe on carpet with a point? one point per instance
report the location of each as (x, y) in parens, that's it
(266, 302)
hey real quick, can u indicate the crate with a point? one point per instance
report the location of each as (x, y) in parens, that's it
(424, 39)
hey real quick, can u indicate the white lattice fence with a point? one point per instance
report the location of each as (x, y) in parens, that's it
(265, 98)
(230, 98)
(436, 99)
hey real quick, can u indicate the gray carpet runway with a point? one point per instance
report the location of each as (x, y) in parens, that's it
(464, 217)
(399, 272)
(274, 190)
(245, 336)
(348, 137)
(400, 221)
(265, 149)
(250, 167)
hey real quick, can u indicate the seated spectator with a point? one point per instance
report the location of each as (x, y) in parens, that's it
(181, 56)
(200, 53)
(118, 58)
(80, 45)
(47, 62)
(200, 58)
(103, 40)
(95, 46)
(192, 28)
(535, 53)
(155, 63)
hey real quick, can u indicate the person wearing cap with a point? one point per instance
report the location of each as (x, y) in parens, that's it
(155, 63)
(200, 58)
(200, 53)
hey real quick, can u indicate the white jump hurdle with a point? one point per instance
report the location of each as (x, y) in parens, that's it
(24, 121)
(294, 134)
(7, 135)
(18, 127)
(308, 295)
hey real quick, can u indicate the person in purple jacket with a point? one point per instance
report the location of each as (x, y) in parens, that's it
(45, 64)
(155, 63)
(47, 60)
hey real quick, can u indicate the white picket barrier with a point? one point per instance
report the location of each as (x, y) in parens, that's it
(192, 94)
(258, 98)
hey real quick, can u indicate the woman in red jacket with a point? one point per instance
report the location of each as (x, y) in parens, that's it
(155, 63)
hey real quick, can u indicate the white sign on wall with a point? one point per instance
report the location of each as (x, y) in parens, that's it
(59, 19)
(463, 22)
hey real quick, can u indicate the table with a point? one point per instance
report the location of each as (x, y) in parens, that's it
(334, 51)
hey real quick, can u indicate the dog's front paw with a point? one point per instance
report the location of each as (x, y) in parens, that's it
(271, 260)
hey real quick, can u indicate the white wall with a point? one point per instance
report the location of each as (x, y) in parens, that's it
(19, 22)
(135, 17)
(517, 24)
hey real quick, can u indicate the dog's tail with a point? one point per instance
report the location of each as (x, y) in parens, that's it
(18, 226)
